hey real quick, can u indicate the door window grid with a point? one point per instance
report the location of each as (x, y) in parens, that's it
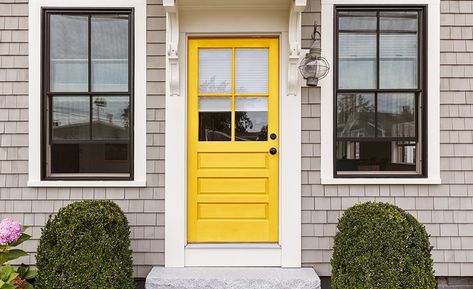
(236, 92)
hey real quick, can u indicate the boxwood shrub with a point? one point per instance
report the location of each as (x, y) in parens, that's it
(380, 246)
(86, 246)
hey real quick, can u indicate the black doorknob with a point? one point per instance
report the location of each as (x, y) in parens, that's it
(273, 136)
(273, 151)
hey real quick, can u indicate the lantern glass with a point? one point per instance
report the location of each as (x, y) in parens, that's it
(314, 68)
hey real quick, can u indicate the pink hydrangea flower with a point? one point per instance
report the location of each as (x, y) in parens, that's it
(10, 231)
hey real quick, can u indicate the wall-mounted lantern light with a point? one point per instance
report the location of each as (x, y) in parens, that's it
(314, 67)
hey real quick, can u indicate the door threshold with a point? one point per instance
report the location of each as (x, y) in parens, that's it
(233, 246)
(232, 255)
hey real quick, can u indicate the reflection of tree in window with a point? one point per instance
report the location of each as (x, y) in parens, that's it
(126, 116)
(355, 115)
(210, 86)
(215, 126)
(111, 117)
(251, 126)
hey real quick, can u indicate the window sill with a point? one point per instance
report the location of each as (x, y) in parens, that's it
(381, 181)
(72, 183)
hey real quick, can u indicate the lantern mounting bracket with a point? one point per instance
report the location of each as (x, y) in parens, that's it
(314, 67)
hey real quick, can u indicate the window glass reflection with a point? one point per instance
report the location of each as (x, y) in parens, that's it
(109, 49)
(356, 115)
(396, 115)
(376, 156)
(71, 118)
(398, 61)
(357, 21)
(251, 70)
(215, 70)
(251, 119)
(399, 21)
(90, 158)
(357, 61)
(110, 117)
(68, 53)
(215, 114)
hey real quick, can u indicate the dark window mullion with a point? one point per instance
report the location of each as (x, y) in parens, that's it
(377, 74)
(100, 93)
(375, 139)
(131, 105)
(89, 63)
(420, 76)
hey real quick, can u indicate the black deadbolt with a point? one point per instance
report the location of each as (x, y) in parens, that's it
(273, 136)
(273, 151)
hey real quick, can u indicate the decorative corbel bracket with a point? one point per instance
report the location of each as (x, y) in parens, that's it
(172, 46)
(295, 47)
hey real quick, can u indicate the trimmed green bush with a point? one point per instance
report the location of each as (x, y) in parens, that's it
(86, 246)
(380, 246)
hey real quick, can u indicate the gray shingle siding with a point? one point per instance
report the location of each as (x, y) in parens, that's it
(446, 209)
(144, 207)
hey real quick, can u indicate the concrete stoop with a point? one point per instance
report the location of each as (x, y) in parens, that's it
(455, 283)
(232, 278)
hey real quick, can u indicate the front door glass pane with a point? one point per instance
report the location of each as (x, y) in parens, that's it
(215, 114)
(215, 70)
(251, 70)
(251, 119)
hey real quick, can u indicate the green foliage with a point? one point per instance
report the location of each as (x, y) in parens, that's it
(7, 253)
(86, 246)
(380, 246)
(25, 273)
(7, 273)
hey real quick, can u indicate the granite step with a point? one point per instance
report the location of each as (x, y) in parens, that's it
(232, 278)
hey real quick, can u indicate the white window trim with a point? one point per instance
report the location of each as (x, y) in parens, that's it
(288, 252)
(34, 167)
(433, 109)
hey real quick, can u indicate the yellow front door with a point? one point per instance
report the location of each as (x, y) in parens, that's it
(233, 133)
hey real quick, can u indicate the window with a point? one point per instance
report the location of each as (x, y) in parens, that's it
(233, 82)
(380, 92)
(87, 105)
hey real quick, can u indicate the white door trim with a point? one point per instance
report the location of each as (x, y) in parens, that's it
(276, 23)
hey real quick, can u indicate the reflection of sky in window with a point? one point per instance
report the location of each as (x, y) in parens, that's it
(395, 103)
(113, 112)
(68, 113)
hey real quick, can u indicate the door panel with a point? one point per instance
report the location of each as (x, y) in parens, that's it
(232, 109)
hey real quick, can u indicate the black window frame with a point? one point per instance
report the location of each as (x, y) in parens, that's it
(46, 94)
(421, 92)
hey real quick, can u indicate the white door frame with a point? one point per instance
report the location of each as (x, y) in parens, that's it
(210, 22)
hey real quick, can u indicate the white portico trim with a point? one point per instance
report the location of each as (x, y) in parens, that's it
(280, 18)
